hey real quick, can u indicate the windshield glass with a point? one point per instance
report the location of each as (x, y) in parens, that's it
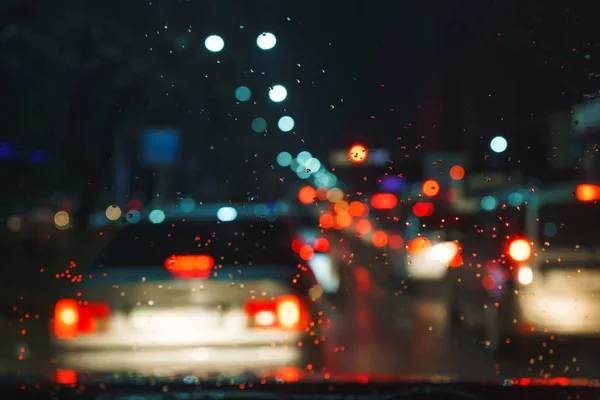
(390, 149)
(569, 225)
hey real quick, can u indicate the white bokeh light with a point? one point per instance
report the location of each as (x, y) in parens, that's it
(277, 93)
(214, 43)
(312, 165)
(498, 144)
(266, 41)
(303, 157)
(227, 214)
(286, 124)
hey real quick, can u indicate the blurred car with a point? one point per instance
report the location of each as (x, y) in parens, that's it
(432, 245)
(533, 268)
(324, 265)
(195, 294)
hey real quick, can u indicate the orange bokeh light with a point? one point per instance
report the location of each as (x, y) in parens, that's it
(431, 188)
(363, 226)
(306, 252)
(307, 194)
(340, 206)
(326, 221)
(587, 192)
(457, 172)
(356, 208)
(343, 220)
(357, 153)
(418, 245)
(379, 239)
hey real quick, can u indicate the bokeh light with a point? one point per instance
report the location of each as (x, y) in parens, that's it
(284, 159)
(113, 212)
(133, 216)
(321, 245)
(384, 201)
(430, 188)
(187, 205)
(498, 144)
(259, 125)
(286, 124)
(356, 208)
(357, 153)
(489, 203)
(307, 194)
(62, 219)
(340, 206)
(457, 172)
(312, 165)
(396, 242)
(343, 220)
(214, 43)
(303, 157)
(306, 252)
(419, 244)
(322, 193)
(363, 226)
(266, 41)
(227, 214)
(157, 216)
(379, 239)
(326, 221)
(334, 195)
(242, 93)
(277, 93)
(515, 199)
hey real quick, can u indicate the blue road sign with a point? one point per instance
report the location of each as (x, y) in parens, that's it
(160, 147)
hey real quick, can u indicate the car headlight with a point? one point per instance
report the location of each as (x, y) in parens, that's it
(444, 252)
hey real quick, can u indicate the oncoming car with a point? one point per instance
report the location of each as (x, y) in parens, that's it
(534, 271)
(193, 295)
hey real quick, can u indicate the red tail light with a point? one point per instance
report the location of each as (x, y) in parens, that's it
(519, 250)
(190, 266)
(587, 192)
(384, 201)
(284, 312)
(72, 318)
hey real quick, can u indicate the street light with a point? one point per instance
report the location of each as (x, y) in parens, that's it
(498, 144)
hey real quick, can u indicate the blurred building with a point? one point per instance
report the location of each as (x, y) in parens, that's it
(488, 83)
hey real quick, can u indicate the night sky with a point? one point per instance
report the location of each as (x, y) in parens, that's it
(411, 77)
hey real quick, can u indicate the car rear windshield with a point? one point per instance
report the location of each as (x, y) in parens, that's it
(248, 242)
(570, 224)
(490, 231)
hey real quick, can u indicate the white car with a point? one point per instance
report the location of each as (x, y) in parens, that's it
(192, 295)
(536, 272)
(432, 246)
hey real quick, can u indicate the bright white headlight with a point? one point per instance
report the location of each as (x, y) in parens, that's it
(444, 252)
